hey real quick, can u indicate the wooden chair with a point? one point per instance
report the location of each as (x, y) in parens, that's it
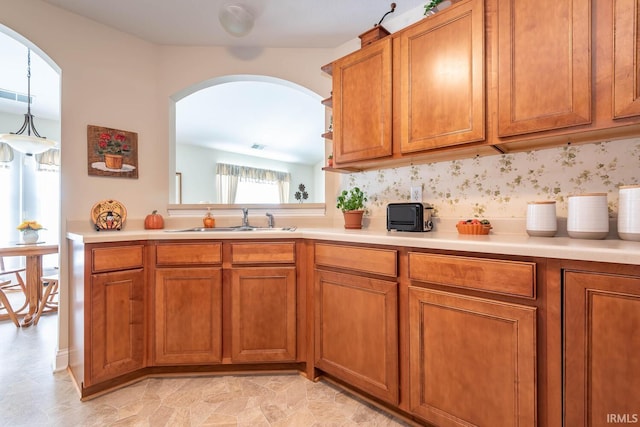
(14, 285)
(5, 304)
(49, 302)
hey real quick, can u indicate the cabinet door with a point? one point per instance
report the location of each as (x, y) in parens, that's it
(544, 65)
(116, 334)
(472, 360)
(356, 331)
(188, 316)
(442, 84)
(263, 314)
(602, 349)
(626, 45)
(362, 104)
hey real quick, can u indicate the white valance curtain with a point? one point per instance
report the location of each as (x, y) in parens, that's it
(49, 160)
(228, 177)
(6, 153)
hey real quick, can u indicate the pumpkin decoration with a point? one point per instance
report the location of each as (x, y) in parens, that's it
(209, 221)
(153, 221)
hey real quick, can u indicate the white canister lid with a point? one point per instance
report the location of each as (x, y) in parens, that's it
(588, 195)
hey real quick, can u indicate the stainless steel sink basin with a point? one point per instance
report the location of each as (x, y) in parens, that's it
(237, 228)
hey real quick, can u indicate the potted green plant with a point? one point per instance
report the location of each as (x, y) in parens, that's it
(330, 160)
(351, 203)
(431, 7)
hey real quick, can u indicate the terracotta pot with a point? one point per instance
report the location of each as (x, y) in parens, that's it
(353, 219)
(113, 161)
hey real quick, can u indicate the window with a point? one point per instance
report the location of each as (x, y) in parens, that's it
(31, 191)
(257, 192)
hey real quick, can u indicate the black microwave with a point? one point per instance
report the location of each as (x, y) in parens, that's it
(412, 216)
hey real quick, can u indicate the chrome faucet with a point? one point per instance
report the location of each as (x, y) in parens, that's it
(245, 217)
(269, 220)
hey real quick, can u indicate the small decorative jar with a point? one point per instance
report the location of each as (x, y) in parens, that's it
(629, 212)
(209, 221)
(541, 219)
(588, 216)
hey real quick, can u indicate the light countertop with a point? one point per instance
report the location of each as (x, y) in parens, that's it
(609, 250)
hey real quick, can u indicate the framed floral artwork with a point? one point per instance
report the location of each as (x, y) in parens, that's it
(112, 152)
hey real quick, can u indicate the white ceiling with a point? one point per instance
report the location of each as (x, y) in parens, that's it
(278, 23)
(260, 112)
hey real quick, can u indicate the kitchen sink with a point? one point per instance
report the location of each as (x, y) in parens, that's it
(236, 228)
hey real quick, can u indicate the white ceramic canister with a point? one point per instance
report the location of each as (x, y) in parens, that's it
(541, 219)
(629, 212)
(588, 216)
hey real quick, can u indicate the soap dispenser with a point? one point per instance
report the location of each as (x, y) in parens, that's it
(209, 221)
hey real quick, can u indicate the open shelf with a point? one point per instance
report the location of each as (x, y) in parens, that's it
(339, 169)
(328, 135)
(328, 102)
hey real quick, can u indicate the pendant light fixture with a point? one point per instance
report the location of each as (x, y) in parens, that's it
(31, 142)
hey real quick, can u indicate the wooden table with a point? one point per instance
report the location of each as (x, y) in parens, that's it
(33, 253)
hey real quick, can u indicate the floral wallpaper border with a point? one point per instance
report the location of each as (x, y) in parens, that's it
(501, 186)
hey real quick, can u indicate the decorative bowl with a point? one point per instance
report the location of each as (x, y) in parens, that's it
(473, 228)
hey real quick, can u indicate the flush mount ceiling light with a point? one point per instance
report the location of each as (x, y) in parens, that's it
(29, 144)
(236, 19)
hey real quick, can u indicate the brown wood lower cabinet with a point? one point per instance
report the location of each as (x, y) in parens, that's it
(116, 341)
(356, 331)
(447, 338)
(188, 316)
(602, 349)
(472, 360)
(263, 314)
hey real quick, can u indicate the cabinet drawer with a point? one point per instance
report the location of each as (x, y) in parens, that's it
(117, 258)
(189, 253)
(367, 260)
(497, 276)
(263, 252)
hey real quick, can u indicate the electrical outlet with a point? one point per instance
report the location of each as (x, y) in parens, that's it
(416, 194)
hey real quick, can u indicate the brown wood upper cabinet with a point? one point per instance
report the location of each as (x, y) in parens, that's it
(543, 64)
(486, 76)
(626, 50)
(441, 79)
(362, 87)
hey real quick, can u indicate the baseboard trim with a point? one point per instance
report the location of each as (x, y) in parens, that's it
(61, 360)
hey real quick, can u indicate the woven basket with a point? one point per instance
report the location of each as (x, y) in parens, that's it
(473, 228)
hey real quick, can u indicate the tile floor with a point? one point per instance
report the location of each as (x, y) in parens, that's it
(31, 395)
